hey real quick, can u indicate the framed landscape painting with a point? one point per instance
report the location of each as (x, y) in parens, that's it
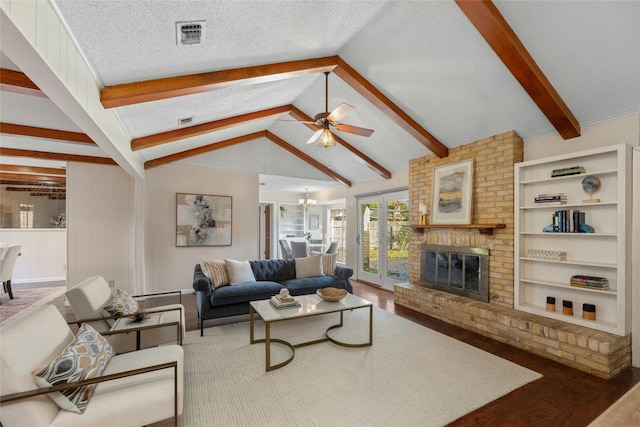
(452, 193)
(203, 220)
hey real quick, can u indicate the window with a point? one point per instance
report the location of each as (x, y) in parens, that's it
(26, 216)
(338, 230)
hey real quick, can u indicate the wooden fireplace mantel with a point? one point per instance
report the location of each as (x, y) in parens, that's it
(482, 228)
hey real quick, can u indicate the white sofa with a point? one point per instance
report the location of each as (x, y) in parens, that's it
(35, 339)
(88, 298)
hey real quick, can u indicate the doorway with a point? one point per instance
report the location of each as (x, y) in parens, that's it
(383, 239)
(266, 242)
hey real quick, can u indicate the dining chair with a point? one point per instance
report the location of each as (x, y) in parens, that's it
(299, 249)
(285, 248)
(10, 254)
(333, 248)
(313, 242)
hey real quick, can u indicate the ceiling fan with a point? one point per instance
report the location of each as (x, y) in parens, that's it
(325, 121)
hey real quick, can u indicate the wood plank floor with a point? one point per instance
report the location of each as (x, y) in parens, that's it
(562, 397)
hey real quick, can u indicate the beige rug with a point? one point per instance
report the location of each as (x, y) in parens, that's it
(410, 376)
(25, 300)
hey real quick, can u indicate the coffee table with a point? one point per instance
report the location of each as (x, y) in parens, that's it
(310, 305)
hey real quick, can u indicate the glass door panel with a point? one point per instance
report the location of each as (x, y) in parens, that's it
(397, 242)
(368, 239)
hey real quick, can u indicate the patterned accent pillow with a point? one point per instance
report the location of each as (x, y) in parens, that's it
(121, 304)
(86, 357)
(216, 272)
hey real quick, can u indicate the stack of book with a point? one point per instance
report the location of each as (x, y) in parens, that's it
(590, 282)
(284, 302)
(551, 199)
(567, 221)
(573, 170)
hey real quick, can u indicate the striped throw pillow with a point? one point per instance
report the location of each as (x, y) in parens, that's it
(328, 262)
(216, 272)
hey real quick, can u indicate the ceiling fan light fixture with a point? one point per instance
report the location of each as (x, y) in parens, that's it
(326, 139)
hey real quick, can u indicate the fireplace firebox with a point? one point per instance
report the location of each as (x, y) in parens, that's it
(458, 270)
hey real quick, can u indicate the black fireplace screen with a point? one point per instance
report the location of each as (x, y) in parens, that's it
(459, 270)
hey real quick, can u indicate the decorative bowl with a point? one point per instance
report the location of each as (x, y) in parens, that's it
(331, 294)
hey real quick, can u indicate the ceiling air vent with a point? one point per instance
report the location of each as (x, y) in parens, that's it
(185, 121)
(190, 33)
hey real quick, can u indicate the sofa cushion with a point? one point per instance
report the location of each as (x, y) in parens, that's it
(308, 267)
(121, 304)
(244, 292)
(309, 285)
(239, 271)
(216, 272)
(86, 357)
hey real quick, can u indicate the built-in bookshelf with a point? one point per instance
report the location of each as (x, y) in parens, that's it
(603, 253)
(291, 222)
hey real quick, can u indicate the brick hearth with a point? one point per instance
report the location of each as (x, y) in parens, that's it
(599, 353)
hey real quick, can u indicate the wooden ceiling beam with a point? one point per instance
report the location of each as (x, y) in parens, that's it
(486, 17)
(15, 152)
(171, 87)
(359, 156)
(31, 178)
(391, 110)
(202, 150)
(32, 170)
(37, 132)
(17, 82)
(203, 128)
(303, 156)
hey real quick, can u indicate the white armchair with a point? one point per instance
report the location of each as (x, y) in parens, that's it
(88, 298)
(8, 258)
(135, 389)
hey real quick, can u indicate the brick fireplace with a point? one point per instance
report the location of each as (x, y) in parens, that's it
(593, 351)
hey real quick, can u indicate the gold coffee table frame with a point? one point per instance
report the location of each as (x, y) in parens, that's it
(310, 305)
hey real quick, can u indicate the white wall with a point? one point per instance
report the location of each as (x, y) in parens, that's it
(616, 131)
(168, 267)
(101, 225)
(43, 255)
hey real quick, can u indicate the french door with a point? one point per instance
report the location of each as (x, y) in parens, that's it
(383, 239)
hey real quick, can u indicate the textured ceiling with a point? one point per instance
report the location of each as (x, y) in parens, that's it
(425, 56)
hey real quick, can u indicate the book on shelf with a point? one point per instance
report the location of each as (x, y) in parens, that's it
(573, 170)
(595, 279)
(567, 221)
(278, 304)
(583, 285)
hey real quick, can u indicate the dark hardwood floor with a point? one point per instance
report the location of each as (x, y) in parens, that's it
(562, 397)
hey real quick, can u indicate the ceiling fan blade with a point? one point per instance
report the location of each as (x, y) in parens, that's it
(296, 121)
(340, 112)
(315, 136)
(354, 129)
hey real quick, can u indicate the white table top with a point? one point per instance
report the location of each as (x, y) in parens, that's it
(310, 305)
(124, 323)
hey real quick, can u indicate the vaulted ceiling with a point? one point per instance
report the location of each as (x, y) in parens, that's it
(425, 76)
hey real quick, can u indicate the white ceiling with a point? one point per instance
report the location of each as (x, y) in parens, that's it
(425, 56)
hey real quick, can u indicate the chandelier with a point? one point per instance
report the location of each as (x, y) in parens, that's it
(306, 202)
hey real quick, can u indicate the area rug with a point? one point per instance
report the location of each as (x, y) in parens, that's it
(410, 376)
(25, 300)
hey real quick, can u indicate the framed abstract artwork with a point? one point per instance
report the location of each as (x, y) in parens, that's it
(203, 220)
(452, 193)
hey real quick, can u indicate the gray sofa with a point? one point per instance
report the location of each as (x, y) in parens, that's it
(271, 276)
